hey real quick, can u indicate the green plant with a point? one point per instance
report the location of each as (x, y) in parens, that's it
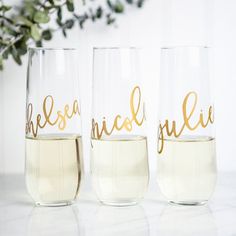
(29, 22)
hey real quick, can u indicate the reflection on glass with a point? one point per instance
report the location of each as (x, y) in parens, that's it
(109, 221)
(54, 221)
(186, 221)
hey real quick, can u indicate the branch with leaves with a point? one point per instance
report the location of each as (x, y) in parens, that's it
(29, 22)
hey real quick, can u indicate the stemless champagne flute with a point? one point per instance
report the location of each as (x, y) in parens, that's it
(119, 158)
(53, 166)
(186, 143)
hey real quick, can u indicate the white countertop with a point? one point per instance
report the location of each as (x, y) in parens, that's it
(154, 216)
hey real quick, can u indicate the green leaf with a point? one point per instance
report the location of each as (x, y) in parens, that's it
(22, 19)
(29, 10)
(59, 14)
(21, 47)
(41, 17)
(119, 7)
(34, 31)
(99, 12)
(129, 1)
(9, 30)
(6, 53)
(110, 19)
(69, 24)
(16, 55)
(1, 62)
(39, 43)
(70, 5)
(5, 8)
(110, 5)
(140, 3)
(59, 22)
(47, 34)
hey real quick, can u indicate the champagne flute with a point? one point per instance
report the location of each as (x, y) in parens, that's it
(186, 141)
(119, 158)
(53, 165)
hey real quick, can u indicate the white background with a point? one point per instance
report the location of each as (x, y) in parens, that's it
(184, 22)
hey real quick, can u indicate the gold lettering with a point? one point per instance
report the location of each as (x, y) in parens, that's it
(48, 105)
(127, 123)
(172, 129)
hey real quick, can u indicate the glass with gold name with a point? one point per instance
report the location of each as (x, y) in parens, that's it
(53, 165)
(186, 141)
(119, 156)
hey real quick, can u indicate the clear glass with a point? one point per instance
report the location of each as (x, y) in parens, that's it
(186, 141)
(53, 166)
(119, 156)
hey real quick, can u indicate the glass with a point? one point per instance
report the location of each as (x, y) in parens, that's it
(53, 166)
(119, 157)
(186, 141)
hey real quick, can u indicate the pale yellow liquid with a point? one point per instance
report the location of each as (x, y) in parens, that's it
(53, 168)
(187, 169)
(120, 170)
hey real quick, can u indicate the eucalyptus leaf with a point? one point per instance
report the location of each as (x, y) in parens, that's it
(39, 43)
(1, 62)
(110, 5)
(16, 55)
(119, 7)
(26, 22)
(22, 20)
(41, 17)
(140, 3)
(47, 34)
(35, 32)
(6, 53)
(99, 12)
(5, 8)
(110, 20)
(70, 5)
(69, 24)
(59, 14)
(21, 47)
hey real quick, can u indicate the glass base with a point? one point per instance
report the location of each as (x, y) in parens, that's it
(189, 203)
(120, 203)
(54, 204)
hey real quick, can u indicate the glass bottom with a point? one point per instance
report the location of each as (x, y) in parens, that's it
(189, 203)
(54, 204)
(120, 203)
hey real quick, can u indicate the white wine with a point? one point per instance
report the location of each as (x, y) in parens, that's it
(187, 169)
(53, 168)
(120, 170)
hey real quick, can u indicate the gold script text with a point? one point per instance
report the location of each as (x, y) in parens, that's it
(119, 123)
(169, 128)
(46, 118)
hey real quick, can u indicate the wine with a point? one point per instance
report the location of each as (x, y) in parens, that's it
(53, 168)
(187, 169)
(120, 170)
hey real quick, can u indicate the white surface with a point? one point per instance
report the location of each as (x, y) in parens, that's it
(154, 216)
(190, 25)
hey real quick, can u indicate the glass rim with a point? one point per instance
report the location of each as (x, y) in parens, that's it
(185, 47)
(117, 48)
(51, 49)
